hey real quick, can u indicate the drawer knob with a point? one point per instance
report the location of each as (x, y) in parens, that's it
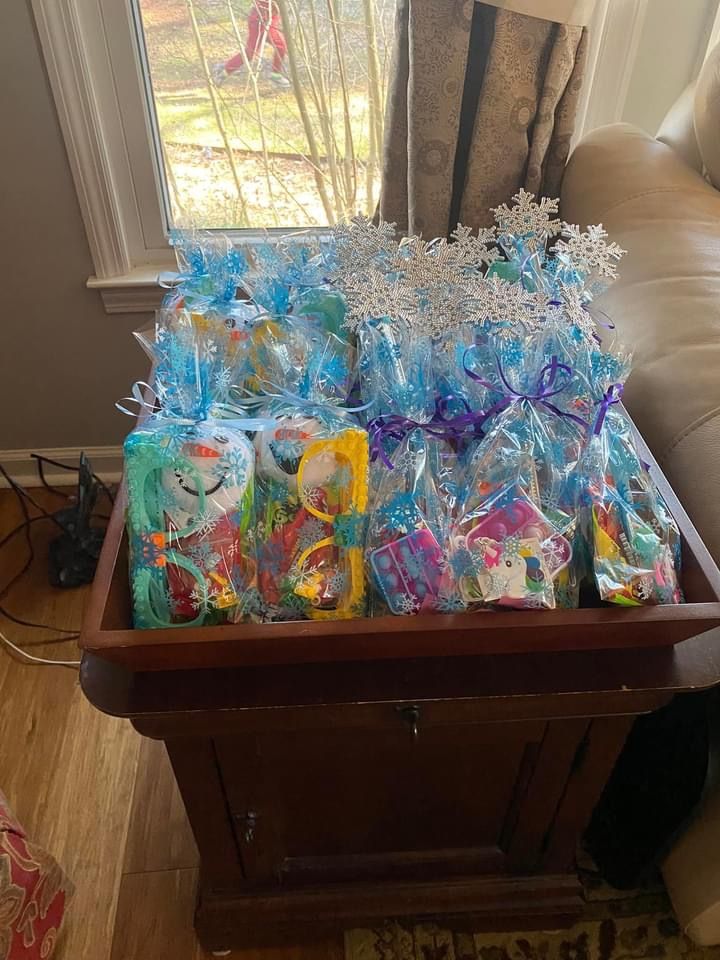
(410, 715)
(249, 819)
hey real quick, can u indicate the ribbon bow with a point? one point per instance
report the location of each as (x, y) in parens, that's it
(612, 395)
(148, 401)
(553, 379)
(396, 427)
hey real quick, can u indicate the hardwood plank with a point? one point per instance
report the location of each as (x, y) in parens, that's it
(154, 916)
(159, 835)
(68, 771)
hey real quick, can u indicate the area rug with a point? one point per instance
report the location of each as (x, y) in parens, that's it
(615, 926)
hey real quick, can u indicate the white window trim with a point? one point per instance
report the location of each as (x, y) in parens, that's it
(96, 78)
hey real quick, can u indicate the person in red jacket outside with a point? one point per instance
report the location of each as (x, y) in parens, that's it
(264, 22)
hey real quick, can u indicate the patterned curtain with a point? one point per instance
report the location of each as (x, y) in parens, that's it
(482, 101)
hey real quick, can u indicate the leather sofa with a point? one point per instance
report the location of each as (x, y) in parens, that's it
(659, 198)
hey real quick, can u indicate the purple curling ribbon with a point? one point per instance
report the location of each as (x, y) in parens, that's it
(612, 395)
(552, 380)
(395, 427)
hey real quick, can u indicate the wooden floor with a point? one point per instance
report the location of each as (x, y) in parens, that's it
(94, 793)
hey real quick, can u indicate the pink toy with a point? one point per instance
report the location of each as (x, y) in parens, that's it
(409, 571)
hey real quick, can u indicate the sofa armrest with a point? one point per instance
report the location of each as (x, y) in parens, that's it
(666, 304)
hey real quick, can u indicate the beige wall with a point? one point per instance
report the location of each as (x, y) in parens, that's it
(63, 360)
(675, 34)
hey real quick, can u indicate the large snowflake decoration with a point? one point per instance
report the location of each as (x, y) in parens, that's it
(473, 250)
(590, 251)
(361, 244)
(371, 295)
(507, 305)
(527, 218)
(575, 311)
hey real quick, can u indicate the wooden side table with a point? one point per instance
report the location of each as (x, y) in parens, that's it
(327, 795)
(338, 772)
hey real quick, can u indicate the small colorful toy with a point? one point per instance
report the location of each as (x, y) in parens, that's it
(408, 572)
(513, 554)
(313, 494)
(190, 476)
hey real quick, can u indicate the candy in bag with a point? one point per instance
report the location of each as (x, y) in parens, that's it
(634, 538)
(414, 475)
(312, 475)
(512, 541)
(190, 474)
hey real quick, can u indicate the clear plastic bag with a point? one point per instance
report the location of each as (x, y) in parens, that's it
(634, 539)
(512, 542)
(414, 474)
(312, 475)
(190, 477)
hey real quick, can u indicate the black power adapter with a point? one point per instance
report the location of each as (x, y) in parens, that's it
(73, 556)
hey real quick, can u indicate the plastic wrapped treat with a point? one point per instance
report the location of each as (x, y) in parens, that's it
(635, 542)
(414, 474)
(210, 281)
(512, 541)
(190, 472)
(312, 475)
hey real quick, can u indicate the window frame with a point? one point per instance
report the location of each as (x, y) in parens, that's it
(96, 75)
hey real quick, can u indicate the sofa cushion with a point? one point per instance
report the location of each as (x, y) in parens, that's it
(33, 894)
(666, 304)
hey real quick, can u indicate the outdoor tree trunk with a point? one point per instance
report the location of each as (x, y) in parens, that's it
(304, 115)
(218, 112)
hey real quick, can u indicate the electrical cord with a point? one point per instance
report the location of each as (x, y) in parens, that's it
(23, 498)
(29, 658)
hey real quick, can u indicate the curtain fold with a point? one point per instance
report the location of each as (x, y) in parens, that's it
(482, 102)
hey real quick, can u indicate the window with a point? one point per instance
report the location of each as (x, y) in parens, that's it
(268, 113)
(238, 114)
(232, 114)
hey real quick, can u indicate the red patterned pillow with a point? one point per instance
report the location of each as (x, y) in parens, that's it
(33, 894)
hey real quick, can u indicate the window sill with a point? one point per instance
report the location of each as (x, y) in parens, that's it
(138, 291)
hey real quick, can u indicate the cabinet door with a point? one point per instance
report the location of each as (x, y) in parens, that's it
(392, 801)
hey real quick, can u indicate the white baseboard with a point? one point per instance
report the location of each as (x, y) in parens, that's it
(106, 463)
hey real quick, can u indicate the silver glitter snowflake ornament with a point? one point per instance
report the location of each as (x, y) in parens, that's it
(371, 295)
(574, 310)
(589, 251)
(508, 304)
(526, 217)
(360, 243)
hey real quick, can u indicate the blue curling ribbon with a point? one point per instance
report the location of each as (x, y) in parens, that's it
(552, 380)
(307, 404)
(612, 395)
(140, 389)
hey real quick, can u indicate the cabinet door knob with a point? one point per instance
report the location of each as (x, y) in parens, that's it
(410, 714)
(250, 821)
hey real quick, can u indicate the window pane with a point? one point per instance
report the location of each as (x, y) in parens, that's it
(269, 112)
